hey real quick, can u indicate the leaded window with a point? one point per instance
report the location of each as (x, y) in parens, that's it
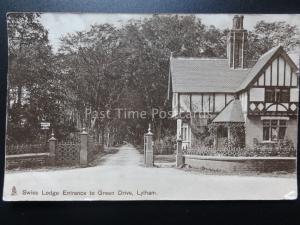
(274, 130)
(222, 131)
(277, 95)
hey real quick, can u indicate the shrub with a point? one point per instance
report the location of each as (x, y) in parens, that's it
(284, 148)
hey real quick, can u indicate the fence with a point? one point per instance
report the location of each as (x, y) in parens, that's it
(26, 149)
(267, 158)
(160, 149)
(74, 152)
(67, 153)
(77, 151)
(165, 146)
(265, 151)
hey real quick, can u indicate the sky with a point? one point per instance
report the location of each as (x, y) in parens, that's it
(59, 24)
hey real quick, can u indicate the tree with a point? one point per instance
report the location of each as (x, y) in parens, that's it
(94, 72)
(128, 68)
(33, 94)
(268, 35)
(150, 43)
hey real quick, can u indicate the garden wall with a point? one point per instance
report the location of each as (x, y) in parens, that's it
(242, 164)
(32, 160)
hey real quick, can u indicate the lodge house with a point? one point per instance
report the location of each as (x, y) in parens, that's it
(260, 96)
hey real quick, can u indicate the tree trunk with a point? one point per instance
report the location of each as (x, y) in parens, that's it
(108, 137)
(159, 130)
(103, 135)
(19, 95)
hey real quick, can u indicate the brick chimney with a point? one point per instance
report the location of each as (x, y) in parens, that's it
(237, 43)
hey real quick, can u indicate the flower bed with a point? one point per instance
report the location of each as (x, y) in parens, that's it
(263, 150)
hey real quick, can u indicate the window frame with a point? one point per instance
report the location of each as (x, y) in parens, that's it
(270, 126)
(185, 133)
(222, 131)
(275, 95)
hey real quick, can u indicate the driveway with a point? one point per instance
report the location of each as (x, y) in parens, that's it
(122, 176)
(127, 156)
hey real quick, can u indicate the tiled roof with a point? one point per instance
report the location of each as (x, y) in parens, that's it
(231, 113)
(295, 57)
(205, 75)
(213, 75)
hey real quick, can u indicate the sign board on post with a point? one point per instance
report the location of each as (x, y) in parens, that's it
(45, 125)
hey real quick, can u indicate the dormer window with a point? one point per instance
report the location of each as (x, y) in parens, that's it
(273, 95)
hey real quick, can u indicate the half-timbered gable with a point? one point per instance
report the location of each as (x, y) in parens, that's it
(279, 72)
(273, 89)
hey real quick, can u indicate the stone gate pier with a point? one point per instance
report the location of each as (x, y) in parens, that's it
(148, 148)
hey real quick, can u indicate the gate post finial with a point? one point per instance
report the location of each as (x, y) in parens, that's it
(149, 129)
(83, 131)
(52, 138)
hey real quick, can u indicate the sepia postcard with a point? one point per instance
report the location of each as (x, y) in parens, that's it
(152, 106)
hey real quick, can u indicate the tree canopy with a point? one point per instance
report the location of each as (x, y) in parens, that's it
(267, 35)
(32, 80)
